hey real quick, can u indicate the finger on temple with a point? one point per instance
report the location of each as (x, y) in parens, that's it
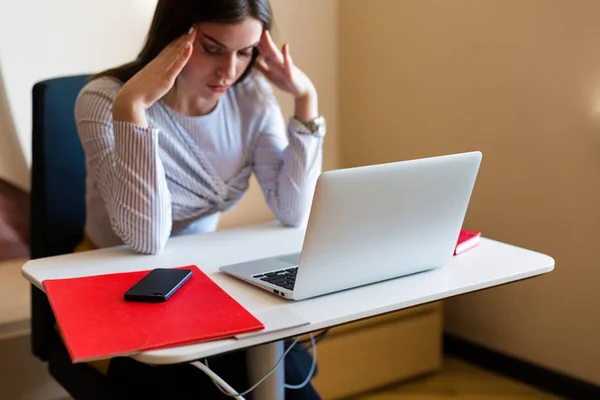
(179, 61)
(287, 57)
(193, 32)
(268, 49)
(262, 66)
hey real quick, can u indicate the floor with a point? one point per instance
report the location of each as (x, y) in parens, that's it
(456, 381)
(14, 222)
(459, 380)
(24, 377)
(14, 300)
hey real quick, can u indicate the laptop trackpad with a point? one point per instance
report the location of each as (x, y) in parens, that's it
(293, 259)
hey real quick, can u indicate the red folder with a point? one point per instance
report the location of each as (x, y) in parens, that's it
(467, 239)
(97, 323)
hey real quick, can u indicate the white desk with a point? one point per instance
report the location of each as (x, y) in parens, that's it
(490, 264)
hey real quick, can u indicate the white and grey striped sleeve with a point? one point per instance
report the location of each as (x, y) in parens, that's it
(124, 163)
(287, 167)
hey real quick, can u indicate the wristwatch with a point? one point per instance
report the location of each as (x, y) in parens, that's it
(315, 127)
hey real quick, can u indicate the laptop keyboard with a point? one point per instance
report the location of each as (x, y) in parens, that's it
(285, 278)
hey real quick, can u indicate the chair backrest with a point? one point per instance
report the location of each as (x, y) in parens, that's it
(58, 168)
(57, 203)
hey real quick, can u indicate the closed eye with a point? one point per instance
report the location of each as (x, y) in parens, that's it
(214, 51)
(245, 53)
(211, 50)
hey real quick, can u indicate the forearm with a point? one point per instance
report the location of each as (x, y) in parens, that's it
(287, 176)
(307, 106)
(124, 166)
(126, 110)
(302, 165)
(139, 204)
(129, 176)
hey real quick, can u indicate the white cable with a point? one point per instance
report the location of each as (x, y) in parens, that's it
(228, 390)
(264, 377)
(312, 367)
(217, 379)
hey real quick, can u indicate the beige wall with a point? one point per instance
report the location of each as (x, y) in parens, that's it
(315, 51)
(520, 81)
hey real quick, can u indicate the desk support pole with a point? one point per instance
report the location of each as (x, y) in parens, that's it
(261, 360)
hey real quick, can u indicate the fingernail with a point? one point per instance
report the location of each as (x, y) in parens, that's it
(191, 29)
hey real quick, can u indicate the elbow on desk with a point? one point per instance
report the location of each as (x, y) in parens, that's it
(148, 250)
(150, 243)
(289, 223)
(292, 219)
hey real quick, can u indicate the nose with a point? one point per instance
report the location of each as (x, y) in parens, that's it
(227, 67)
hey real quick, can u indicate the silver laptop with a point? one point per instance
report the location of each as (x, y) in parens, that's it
(373, 223)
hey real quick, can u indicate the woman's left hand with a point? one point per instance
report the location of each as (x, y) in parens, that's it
(278, 67)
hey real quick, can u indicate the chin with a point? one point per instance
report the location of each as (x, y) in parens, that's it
(207, 94)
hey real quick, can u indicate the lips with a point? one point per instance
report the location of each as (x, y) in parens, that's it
(218, 88)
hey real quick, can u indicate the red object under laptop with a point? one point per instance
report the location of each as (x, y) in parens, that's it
(467, 239)
(96, 323)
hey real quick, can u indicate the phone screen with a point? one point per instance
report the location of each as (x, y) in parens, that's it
(158, 285)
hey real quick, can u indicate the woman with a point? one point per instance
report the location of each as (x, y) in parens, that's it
(172, 138)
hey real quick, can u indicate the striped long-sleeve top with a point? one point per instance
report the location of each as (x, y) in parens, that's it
(177, 176)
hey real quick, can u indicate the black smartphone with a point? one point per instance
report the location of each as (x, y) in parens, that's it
(158, 285)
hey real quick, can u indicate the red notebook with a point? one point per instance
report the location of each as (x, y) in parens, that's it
(97, 323)
(467, 239)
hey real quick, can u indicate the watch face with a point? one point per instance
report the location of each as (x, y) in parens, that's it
(312, 126)
(316, 126)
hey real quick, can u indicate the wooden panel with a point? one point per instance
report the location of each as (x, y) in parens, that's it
(383, 319)
(378, 355)
(380, 319)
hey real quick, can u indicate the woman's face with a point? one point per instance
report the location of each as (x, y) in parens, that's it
(221, 54)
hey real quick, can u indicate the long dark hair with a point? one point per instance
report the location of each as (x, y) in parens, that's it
(172, 18)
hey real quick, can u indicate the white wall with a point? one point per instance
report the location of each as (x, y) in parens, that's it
(41, 39)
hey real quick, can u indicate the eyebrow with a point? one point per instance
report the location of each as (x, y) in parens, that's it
(212, 39)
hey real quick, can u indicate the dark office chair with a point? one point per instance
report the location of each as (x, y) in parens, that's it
(57, 220)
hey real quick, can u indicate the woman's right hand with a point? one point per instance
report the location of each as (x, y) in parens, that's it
(153, 81)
